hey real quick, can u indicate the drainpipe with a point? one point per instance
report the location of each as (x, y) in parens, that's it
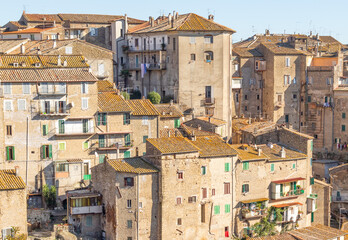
(137, 212)
(27, 153)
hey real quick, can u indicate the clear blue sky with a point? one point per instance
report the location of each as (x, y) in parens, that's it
(326, 17)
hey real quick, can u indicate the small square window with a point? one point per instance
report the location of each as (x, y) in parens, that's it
(204, 170)
(61, 146)
(128, 182)
(180, 175)
(245, 188)
(179, 222)
(129, 223)
(193, 57)
(9, 130)
(178, 200)
(213, 192)
(129, 203)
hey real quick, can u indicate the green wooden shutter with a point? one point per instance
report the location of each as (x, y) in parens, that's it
(98, 119)
(104, 118)
(272, 167)
(227, 208)
(144, 138)
(101, 141)
(227, 167)
(312, 180)
(126, 154)
(312, 217)
(44, 129)
(50, 151)
(43, 151)
(217, 209)
(127, 139)
(245, 165)
(281, 190)
(101, 158)
(13, 153)
(177, 123)
(7, 153)
(124, 118)
(61, 126)
(243, 188)
(85, 145)
(85, 125)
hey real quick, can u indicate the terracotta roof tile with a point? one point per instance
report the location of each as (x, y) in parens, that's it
(317, 231)
(95, 18)
(18, 24)
(284, 236)
(213, 146)
(281, 49)
(172, 145)
(184, 22)
(247, 153)
(47, 75)
(246, 52)
(9, 180)
(112, 102)
(273, 153)
(42, 17)
(212, 120)
(28, 31)
(105, 86)
(168, 111)
(142, 107)
(170, 132)
(188, 131)
(132, 165)
(7, 45)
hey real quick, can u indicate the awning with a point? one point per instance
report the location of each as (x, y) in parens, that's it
(79, 118)
(287, 204)
(85, 196)
(114, 133)
(288, 180)
(255, 200)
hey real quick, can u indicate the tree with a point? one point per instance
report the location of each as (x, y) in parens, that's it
(125, 95)
(15, 234)
(49, 194)
(266, 226)
(136, 94)
(125, 74)
(154, 97)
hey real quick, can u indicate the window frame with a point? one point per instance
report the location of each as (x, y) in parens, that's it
(84, 99)
(8, 130)
(128, 183)
(245, 165)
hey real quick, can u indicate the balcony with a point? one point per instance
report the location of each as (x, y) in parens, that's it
(149, 66)
(208, 101)
(149, 48)
(113, 146)
(288, 188)
(236, 83)
(59, 112)
(86, 210)
(249, 214)
(290, 213)
(53, 92)
(279, 104)
(260, 65)
(256, 208)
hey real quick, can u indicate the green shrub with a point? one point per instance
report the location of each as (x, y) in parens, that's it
(125, 95)
(154, 97)
(136, 94)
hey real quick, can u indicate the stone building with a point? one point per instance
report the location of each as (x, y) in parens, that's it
(130, 197)
(100, 60)
(35, 33)
(322, 204)
(209, 124)
(93, 28)
(170, 116)
(48, 106)
(182, 57)
(13, 203)
(123, 125)
(321, 168)
(196, 188)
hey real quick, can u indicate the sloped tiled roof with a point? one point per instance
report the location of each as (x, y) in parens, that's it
(247, 153)
(184, 22)
(46, 75)
(142, 107)
(172, 145)
(273, 153)
(212, 120)
(284, 236)
(188, 131)
(9, 180)
(213, 146)
(8, 45)
(168, 111)
(132, 165)
(105, 86)
(246, 52)
(28, 31)
(18, 24)
(112, 102)
(170, 132)
(46, 61)
(280, 49)
(33, 17)
(317, 231)
(95, 18)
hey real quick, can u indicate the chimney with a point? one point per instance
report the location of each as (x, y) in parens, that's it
(211, 17)
(54, 23)
(169, 18)
(171, 102)
(176, 15)
(117, 151)
(267, 32)
(317, 36)
(125, 23)
(259, 151)
(65, 63)
(282, 153)
(59, 61)
(168, 133)
(152, 22)
(193, 136)
(16, 168)
(199, 127)
(22, 49)
(54, 44)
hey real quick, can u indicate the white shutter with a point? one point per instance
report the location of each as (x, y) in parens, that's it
(7, 88)
(101, 69)
(26, 88)
(21, 103)
(8, 105)
(84, 103)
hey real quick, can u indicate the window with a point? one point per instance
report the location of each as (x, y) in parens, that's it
(145, 120)
(46, 151)
(227, 208)
(287, 62)
(204, 170)
(258, 107)
(21, 104)
(62, 167)
(245, 97)
(343, 128)
(286, 118)
(61, 126)
(179, 221)
(7, 88)
(26, 88)
(258, 97)
(272, 167)
(204, 193)
(84, 88)
(137, 76)
(128, 182)
(192, 40)
(294, 166)
(245, 108)
(85, 146)
(180, 175)
(101, 119)
(174, 44)
(127, 140)
(193, 57)
(177, 123)
(329, 81)
(213, 192)
(294, 96)
(287, 80)
(126, 118)
(6, 232)
(10, 153)
(68, 50)
(203, 213)
(9, 130)
(208, 39)
(227, 167)
(85, 128)
(227, 188)
(192, 199)
(8, 106)
(129, 223)
(245, 165)
(101, 158)
(61, 146)
(245, 188)
(136, 42)
(343, 115)
(294, 81)
(101, 139)
(89, 221)
(216, 209)
(236, 67)
(178, 200)
(129, 238)
(84, 105)
(309, 99)
(208, 56)
(126, 154)
(101, 69)
(129, 203)
(144, 138)
(93, 32)
(227, 234)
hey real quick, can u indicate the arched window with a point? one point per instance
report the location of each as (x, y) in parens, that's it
(208, 56)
